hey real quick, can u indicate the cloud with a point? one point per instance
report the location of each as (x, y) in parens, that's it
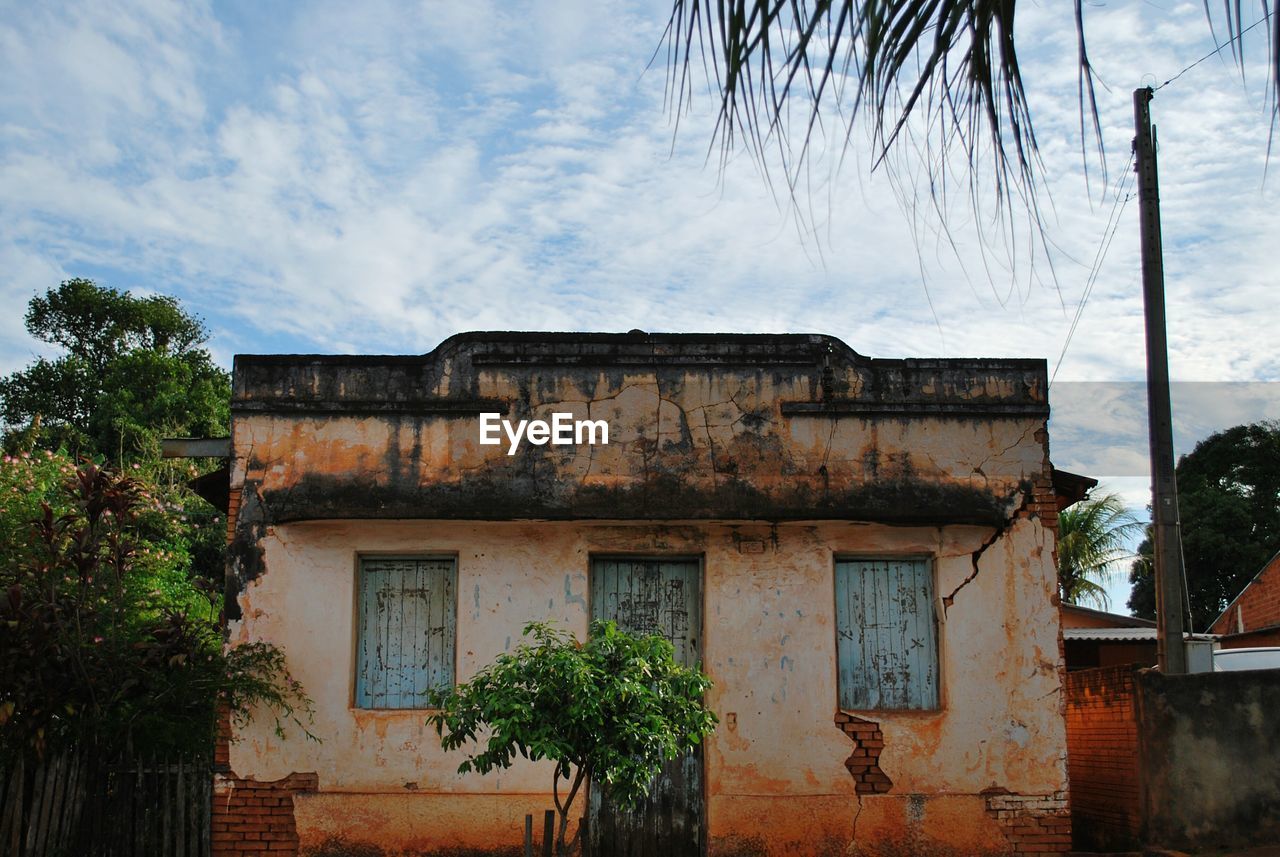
(376, 178)
(336, 180)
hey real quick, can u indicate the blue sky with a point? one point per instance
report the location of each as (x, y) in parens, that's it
(334, 177)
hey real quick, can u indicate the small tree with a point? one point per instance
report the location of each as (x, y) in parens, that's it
(611, 710)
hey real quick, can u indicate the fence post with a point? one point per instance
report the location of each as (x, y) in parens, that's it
(548, 833)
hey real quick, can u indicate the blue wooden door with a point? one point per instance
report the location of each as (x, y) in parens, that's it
(886, 641)
(664, 597)
(406, 621)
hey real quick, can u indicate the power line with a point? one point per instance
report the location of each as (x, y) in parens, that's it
(1237, 37)
(1104, 245)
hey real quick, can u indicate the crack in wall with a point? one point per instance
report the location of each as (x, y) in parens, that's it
(997, 533)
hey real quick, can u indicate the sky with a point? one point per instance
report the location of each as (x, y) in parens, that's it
(374, 177)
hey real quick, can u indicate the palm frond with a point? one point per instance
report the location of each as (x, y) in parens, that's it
(944, 73)
(1093, 539)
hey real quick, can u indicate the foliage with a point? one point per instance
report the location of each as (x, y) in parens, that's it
(102, 634)
(132, 373)
(611, 711)
(1229, 505)
(1093, 536)
(941, 77)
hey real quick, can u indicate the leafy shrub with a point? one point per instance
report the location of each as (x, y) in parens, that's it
(103, 634)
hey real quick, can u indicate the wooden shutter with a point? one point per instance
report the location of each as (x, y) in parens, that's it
(886, 641)
(406, 630)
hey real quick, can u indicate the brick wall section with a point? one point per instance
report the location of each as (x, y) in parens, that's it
(1034, 824)
(1258, 604)
(1102, 758)
(1043, 503)
(253, 818)
(222, 742)
(864, 762)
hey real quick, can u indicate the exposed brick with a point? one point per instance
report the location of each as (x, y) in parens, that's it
(250, 817)
(1033, 824)
(864, 762)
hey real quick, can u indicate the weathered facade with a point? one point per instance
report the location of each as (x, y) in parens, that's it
(858, 551)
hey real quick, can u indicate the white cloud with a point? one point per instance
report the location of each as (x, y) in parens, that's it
(378, 178)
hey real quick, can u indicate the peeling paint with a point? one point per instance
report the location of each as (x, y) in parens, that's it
(764, 457)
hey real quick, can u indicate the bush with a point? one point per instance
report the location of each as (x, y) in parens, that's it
(104, 635)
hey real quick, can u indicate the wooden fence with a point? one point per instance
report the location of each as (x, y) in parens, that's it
(76, 804)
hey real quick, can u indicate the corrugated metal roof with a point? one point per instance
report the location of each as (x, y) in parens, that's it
(1128, 635)
(1135, 635)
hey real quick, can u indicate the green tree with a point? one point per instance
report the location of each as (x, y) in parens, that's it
(1093, 536)
(1229, 505)
(134, 371)
(103, 635)
(611, 711)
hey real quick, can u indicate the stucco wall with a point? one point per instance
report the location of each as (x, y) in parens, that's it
(1209, 746)
(768, 643)
(947, 459)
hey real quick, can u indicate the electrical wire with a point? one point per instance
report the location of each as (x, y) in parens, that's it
(1100, 255)
(1237, 37)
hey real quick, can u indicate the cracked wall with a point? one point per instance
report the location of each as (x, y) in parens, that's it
(786, 427)
(765, 457)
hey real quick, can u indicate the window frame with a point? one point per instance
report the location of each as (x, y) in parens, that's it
(452, 604)
(930, 565)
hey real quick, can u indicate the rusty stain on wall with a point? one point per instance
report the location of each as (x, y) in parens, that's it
(764, 456)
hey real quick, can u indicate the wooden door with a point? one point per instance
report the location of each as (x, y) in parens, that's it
(653, 596)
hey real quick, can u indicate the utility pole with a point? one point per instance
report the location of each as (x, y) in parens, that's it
(1166, 534)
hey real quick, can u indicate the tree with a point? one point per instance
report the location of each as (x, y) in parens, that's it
(132, 373)
(1229, 505)
(939, 75)
(103, 636)
(611, 710)
(1092, 537)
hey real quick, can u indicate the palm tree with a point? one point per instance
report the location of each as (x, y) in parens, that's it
(937, 75)
(1093, 536)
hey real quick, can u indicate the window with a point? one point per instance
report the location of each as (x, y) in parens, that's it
(406, 630)
(886, 642)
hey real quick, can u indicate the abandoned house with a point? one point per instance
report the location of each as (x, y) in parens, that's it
(859, 552)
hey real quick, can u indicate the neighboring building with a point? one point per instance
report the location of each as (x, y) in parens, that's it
(1094, 638)
(859, 552)
(1253, 617)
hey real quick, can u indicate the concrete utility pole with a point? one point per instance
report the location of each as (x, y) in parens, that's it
(1166, 535)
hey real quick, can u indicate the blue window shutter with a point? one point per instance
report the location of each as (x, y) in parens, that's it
(406, 630)
(886, 639)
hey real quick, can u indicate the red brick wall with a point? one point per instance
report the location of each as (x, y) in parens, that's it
(1034, 824)
(864, 762)
(253, 818)
(1102, 758)
(1258, 604)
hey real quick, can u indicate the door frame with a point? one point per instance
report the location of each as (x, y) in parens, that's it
(675, 556)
